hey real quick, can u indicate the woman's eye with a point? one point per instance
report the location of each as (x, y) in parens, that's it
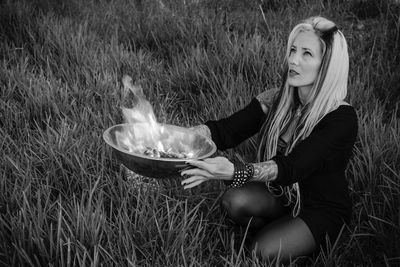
(307, 53)
(292, 50)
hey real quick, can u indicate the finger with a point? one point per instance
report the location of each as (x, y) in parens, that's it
(193, 184)
(198, 172)
(199, 164)
(192, 179)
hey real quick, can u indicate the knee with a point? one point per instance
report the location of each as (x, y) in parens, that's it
(264, 251)
(234, 203)
(277, 250)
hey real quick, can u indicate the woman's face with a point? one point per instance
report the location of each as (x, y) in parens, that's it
(304, 60)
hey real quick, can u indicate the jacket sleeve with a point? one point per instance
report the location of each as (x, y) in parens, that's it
(231, 131)
(327, 148)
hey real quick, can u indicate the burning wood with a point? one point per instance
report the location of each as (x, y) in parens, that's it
(155, 153)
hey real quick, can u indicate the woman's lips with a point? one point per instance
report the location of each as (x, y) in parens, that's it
(293, 73)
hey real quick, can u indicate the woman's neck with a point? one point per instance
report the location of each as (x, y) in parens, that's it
(303, 93)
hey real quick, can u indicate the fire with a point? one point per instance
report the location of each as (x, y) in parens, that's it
(147, 136)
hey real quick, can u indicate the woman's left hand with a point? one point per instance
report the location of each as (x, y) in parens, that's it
(218, 168)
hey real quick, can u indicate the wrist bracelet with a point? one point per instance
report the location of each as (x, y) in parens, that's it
(242, 173)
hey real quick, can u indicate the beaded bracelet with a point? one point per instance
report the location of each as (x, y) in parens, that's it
(242, 173)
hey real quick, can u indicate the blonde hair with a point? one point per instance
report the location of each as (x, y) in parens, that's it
(327, 92)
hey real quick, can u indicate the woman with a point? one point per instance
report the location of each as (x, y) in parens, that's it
(296, 194)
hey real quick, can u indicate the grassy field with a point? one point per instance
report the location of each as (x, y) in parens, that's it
(64, 200)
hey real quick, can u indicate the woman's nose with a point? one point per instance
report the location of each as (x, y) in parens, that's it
(293, 59)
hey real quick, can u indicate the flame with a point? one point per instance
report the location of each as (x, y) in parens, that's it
(160, 146)
(146, 133)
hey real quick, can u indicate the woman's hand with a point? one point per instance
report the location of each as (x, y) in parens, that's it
(219, 168)
(202, 129)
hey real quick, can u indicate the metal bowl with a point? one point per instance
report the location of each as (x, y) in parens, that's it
(173, 136)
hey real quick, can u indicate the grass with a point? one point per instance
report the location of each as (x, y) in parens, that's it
(64, 200)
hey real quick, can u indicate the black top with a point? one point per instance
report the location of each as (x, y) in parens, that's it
(317, 163)
(231, 131)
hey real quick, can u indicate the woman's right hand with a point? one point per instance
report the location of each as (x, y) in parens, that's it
(218, 168)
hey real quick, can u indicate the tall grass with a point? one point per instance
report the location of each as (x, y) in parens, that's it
(64, 200)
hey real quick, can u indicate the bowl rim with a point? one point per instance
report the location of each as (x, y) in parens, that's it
(108, 142)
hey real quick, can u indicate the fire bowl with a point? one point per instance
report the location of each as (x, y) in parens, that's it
(173, 136)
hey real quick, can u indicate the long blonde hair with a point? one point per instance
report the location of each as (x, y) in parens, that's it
(327, 92)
